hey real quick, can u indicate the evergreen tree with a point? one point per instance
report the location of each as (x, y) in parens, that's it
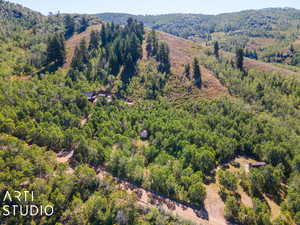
(255, 55)
(197, 73)
(149, 46)
(69, 26)
(152, 44)
(103, 36)
(94, 40)
(216, 50)
(84, 51)
(56, 50)
(80, 58)
(292, 50)
(240, 59)
(113, 64)
(187, 71)
(163, 59)
(84, 23)
(129, 70)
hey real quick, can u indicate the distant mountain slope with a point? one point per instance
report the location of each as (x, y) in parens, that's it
(266, 33)
(264, 21)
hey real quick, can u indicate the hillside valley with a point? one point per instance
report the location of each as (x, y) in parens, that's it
(196, 121)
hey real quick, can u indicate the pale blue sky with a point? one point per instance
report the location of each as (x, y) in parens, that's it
(153, 6)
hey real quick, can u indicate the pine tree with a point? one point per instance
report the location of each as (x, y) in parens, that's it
(69, 26)
(84, 23)
(129, 70)
(255, 55)
(94, 40)
(80, 58)
(149, 46)
(216, 50)
(187, 71)
(84, 51)
(240, 59)
(163, 59)
(76, 63)
(292, 50)
(152, 44)
(103, 36)
(197, 73)
(56, 50)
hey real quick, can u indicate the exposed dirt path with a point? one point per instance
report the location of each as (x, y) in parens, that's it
(22, 78)
(245, 198)
(214, 205)
(274, 207)
(150, 200)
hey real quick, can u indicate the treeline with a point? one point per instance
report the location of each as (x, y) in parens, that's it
(160, 51)
(112, 52)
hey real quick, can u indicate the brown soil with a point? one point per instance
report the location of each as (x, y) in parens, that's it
(274, 207)
(23, 77)
(297, 42)
(214, 205)
(64, 157)
(263, 66)
(245, 198)
(182, 52)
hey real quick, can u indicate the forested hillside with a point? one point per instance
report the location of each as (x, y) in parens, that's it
(267, 34)
(24, 35)
(118, 124)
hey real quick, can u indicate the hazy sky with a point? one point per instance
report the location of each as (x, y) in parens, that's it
(153, 6)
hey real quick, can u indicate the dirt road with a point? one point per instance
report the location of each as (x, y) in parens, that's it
(149, 199)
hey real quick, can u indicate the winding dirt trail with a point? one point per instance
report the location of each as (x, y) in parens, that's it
(213, 203)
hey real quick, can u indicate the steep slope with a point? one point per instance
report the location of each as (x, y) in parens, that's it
(74, 41)
(182, 52)
(263, 66)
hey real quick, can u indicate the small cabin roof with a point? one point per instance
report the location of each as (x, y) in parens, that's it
(258, 164)
(144, 134)
(88, 94)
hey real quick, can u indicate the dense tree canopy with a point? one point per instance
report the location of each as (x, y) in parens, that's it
(186, 144)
